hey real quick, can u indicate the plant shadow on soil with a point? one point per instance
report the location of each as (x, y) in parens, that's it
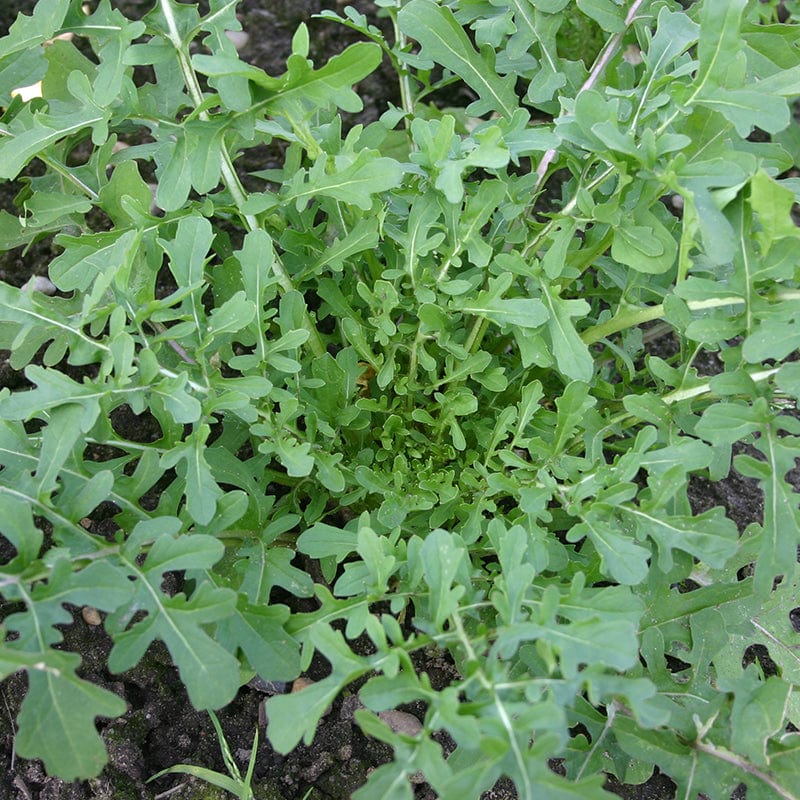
(160, 728)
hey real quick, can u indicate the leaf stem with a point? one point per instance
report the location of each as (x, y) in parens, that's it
(64, 171)
(406, 96)
(532, 246)
(413, 362)
(502, 713)
(745, 766)
(476, 334)
(638, 315)
(229, 176)
(611, 711)
(606, 54)
(675, 396)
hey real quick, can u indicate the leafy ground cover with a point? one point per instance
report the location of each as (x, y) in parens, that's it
(429, 405)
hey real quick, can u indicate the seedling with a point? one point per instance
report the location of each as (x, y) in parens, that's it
(233, 782)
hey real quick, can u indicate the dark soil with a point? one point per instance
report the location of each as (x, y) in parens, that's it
(160, 728)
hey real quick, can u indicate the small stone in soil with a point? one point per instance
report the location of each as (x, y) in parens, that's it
(301, 683)
(91, 616)
(402, 722)
(238, 38)
(267, 687)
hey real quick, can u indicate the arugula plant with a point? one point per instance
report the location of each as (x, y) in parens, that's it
(449, 373)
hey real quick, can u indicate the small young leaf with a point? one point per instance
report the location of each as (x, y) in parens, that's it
(646, 246)
(202, 491)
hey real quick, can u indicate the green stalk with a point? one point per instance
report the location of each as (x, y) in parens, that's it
(633, 316)
(502, 712)
(533, 245)
(413, 363)
(65, 173)
(406, 96)
(605, 55)
(731, 758)
(675, 396)
(229, 176)
(476, 335)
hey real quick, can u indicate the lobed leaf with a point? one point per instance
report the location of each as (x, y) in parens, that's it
(444, 42)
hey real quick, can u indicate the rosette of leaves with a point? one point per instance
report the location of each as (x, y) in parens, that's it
(415, 372)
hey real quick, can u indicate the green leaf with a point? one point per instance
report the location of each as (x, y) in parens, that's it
(28, 31)
(279, 571)
(230, 785)
(209, 672)
(47, 209)
(767, 622)
(53, 389)
(607, 14)
(442, 557)
(788, 379)
(204, 140)
(416, 237)
(87, 257)
(781, 512)
(364, 236)
(573, 406)
(376, 553)
(202, 491)
(32, 320)
(593, 641)
(572, 355)
(180, 404)
(233, 315)
(354, 183)
(758, 713)
(58, 439)
(174, 174)
(559, 788)
(553, 73)
(302, 86)
(100, 584)
(621, 558)
(519, 311)
(675, 33)
(747, 109)
(187, 251)
(729, 422)
(322, 540)
(259, 631)
(56, 721)
(294, 716)
(444, 42)
(31, 133)
(646, 246)
(389, 781)
(710, 537)
(126, 197)
(719, 45)
(295, 456)
(773, 204)
(771, 339)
